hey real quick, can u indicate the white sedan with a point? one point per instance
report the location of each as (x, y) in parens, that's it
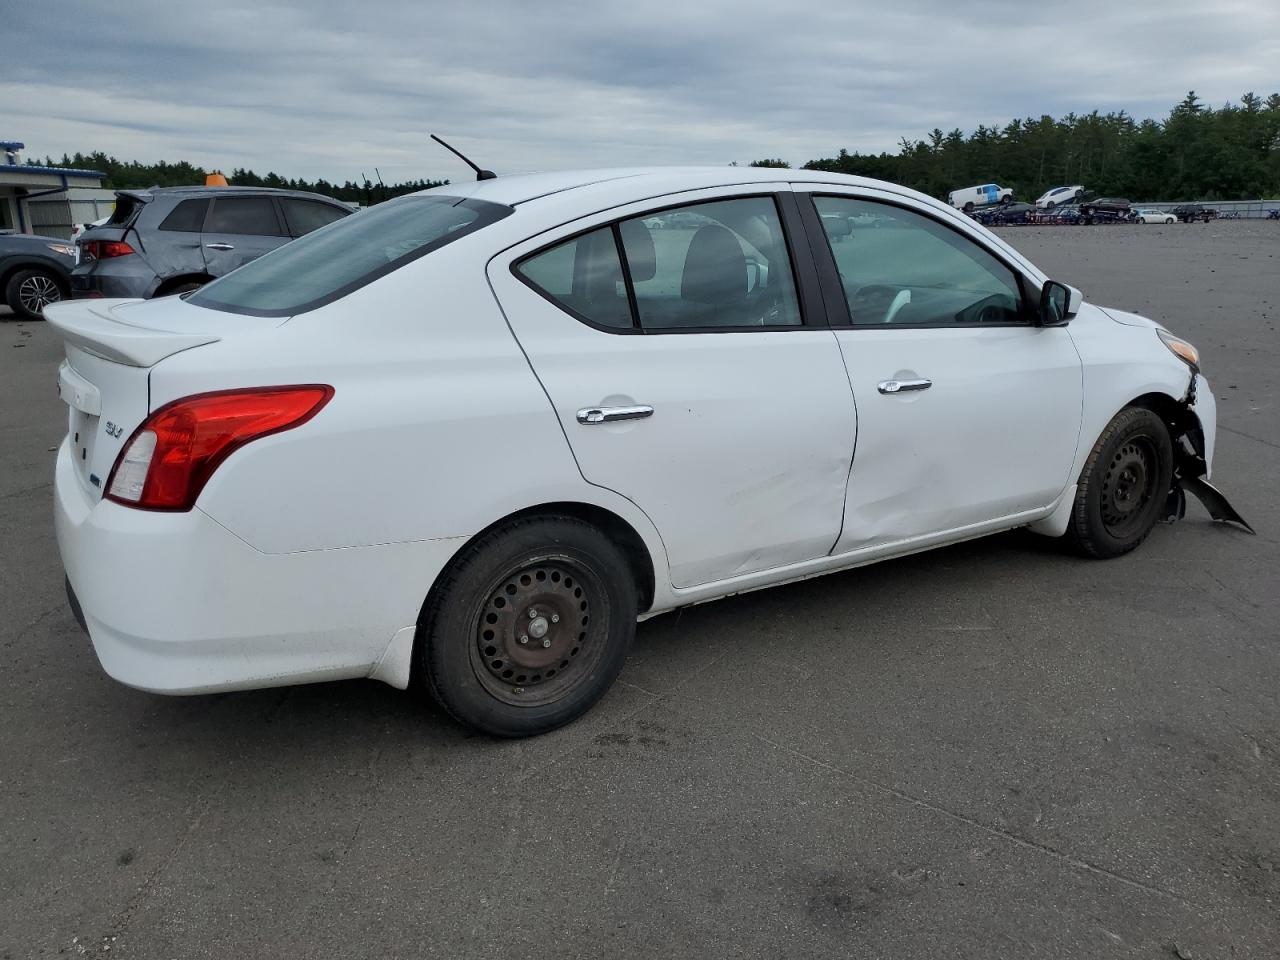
(474, 434)
(1056, 196)
(1154, 216)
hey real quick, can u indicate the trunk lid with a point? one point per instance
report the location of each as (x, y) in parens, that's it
(111, 347)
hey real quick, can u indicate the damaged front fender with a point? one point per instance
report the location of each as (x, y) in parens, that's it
(1190, 467)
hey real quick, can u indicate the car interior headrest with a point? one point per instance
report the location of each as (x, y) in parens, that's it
(637, 241)
(715, 268)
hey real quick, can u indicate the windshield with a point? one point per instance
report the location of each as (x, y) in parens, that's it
(331, 262)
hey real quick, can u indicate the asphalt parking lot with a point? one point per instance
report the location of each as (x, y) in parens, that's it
(992, 750)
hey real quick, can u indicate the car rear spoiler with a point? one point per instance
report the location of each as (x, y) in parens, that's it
(93, 325)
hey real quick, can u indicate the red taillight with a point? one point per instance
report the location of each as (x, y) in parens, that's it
(170, 458)
(104, 249)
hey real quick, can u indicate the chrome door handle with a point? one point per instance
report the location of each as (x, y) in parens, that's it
(902, 386)
(219, 246)
(589, 415)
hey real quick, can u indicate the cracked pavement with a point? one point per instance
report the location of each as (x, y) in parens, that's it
(991, 750)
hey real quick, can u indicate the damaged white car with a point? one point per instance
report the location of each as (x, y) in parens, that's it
(473, 434)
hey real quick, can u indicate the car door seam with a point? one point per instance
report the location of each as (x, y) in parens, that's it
(559, 422)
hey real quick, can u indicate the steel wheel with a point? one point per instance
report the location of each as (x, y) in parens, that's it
(535, 638)
(37, 291)
(1128, 486)
(529, 625)
(1123, 485)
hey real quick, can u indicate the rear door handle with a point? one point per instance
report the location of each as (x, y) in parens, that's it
(902, 386)
(219, 246)
(590, 415)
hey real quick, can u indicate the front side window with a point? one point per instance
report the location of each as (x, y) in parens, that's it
(328, 264)
(913, 270)
(246, 216)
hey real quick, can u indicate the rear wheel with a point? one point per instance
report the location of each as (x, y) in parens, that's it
(182, 288)
(1123, 486)
(29, 291)
(529, 627)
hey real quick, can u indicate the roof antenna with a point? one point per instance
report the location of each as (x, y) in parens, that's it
(480, 174)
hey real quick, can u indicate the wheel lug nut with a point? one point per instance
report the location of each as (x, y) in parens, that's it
(546, 643)
(524, 639)
(533, 613)
(555, 618)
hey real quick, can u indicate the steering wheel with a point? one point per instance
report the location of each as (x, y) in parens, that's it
(993, 309)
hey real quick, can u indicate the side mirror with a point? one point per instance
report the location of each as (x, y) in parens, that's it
(1058, 304)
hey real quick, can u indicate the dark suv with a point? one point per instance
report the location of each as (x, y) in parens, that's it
(173, 239)
(34, 272)
(1191, 212)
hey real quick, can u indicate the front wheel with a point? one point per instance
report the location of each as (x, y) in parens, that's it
(1124, 485)
(529, 626)
(29, 291)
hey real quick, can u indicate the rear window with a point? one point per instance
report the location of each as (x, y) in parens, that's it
(186, 217)
(126, 207)
(247, 216)
(346, 255)
(307, 215)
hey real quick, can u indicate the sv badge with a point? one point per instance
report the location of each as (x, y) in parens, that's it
(114, 431)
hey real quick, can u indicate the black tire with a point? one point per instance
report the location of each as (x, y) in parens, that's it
(1123, 486)
(30, 290)
(968, 207)
(557, 582)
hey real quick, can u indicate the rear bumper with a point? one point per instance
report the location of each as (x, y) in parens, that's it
(175, 603)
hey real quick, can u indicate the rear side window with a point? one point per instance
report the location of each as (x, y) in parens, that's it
(254, 216)
(584, 276)
(718, 264)
(328, 264)
(303, 216)
(187, 217)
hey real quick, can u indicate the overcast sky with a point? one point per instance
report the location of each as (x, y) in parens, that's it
(331, 90)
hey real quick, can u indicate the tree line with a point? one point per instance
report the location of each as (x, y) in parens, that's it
(1196, 153)
(133, 175)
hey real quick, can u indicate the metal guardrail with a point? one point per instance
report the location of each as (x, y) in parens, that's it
(1246, 209)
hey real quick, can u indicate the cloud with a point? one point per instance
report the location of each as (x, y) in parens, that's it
(331, 89)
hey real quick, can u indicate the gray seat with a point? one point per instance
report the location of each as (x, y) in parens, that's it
(714, 285)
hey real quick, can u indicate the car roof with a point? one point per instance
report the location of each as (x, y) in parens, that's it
(197, 190)
(643, 181)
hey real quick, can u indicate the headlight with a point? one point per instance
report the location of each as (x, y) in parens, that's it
(63, 248)
(1183, 350)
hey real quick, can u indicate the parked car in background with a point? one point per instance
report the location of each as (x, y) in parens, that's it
(34, 272)
(175, 239)
(969, 198)
(1006, 213)
(457, 463)
(1191, 212)
(1115, 206)
(1056, 196)
(1146, 215)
